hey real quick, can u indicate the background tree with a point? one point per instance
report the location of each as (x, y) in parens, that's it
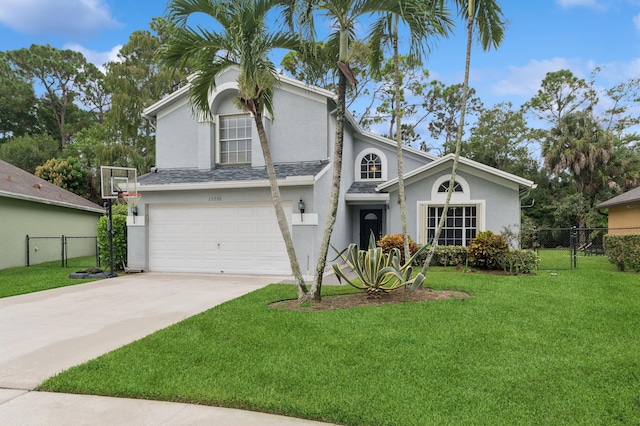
(443, 106)
(561, 93)
(28, 152)
(501, 138)
(59, 72)
(17, 109)
(590, 151)
(65, 173)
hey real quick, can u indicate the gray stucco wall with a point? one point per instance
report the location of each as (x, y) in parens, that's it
(299, 129)
(501, 203)
(43, 220)
(177, 139)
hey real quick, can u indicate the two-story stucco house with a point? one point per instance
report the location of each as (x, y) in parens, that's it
(206, 207)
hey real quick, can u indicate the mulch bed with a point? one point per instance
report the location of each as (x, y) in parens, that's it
(351, 300)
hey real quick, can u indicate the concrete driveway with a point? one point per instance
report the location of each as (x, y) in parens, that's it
(44, 333)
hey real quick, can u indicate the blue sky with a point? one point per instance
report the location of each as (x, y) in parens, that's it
(542, 36)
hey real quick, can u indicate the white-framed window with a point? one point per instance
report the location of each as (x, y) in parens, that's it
(444, 187)
(465, 217)
(460, 226)
(371, 165)
(234, 139)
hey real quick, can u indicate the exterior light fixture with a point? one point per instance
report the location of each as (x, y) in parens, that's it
(301, 207)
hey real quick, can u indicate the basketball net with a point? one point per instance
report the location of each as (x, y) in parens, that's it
(132, 201)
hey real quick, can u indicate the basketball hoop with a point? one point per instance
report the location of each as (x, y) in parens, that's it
(132, 201)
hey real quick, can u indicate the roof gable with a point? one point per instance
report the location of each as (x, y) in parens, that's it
(473, 167)
(19, 184)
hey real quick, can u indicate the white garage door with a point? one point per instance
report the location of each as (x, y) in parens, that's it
(218, 238)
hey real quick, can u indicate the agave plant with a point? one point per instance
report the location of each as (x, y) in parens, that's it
(378, 272)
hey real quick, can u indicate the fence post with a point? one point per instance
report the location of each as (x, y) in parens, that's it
(574, 246)
(62, 251)
(97, 253)
(27, 249)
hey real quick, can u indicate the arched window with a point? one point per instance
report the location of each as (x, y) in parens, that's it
(444, 187)
(370, 167)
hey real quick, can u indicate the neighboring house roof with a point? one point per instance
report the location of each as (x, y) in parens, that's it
(488, 172)
(19, 184)
(238, 176)
(632, 196)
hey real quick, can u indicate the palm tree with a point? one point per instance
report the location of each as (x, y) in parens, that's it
(345, 15)
(245, 40)
(578, 144)
(490, 25)
(387, 28)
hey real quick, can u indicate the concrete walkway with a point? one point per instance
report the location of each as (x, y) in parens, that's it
(44, 333)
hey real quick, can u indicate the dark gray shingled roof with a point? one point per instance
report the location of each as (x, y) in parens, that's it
(229, 174)
(632, 196)
(363, 188)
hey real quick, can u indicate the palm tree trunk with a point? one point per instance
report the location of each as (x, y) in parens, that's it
(335, 189)
(398, 113)
(277, 204)
(456, 158)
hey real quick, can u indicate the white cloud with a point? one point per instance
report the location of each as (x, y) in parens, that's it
(525, 81)
(62, 17)
(97, 58)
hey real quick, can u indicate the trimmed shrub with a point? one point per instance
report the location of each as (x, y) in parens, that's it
(517, 262)
(119, 222)
(623, 251)
(486, 250)
(450, 255)
(444, 256)
(389, 242)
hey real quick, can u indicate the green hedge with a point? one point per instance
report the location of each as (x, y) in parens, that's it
(445, 256)
(623, 251)
(518, 262)
(119, 222)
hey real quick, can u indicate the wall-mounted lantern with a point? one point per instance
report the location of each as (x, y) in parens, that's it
(301, 207)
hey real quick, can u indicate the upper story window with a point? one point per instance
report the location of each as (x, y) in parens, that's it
(370, 167)
(234, 136)
(444, 187)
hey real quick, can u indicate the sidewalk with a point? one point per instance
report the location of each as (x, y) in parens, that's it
(21, 408)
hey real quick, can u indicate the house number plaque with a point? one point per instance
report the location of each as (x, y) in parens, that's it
(215, 198)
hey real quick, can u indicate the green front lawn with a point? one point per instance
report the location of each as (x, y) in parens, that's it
(543, 349)
(44, 276)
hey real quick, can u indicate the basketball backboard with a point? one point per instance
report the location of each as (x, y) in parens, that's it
(116, 181)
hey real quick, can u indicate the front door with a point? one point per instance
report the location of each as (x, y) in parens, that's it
(370, 221)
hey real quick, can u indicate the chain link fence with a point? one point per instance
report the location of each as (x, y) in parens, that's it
(569, 248)
(73, 252)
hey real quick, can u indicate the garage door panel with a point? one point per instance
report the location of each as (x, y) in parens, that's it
(239, 238)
